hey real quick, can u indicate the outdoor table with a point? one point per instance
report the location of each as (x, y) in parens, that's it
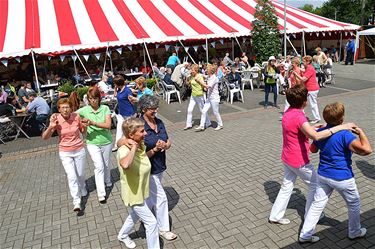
(133, 75)
(19, 120)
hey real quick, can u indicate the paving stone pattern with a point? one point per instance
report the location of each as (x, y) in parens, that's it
(220, 186)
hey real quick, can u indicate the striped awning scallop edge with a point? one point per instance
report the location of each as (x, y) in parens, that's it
(59, 25)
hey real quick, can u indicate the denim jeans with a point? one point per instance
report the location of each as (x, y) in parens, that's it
(267, 89)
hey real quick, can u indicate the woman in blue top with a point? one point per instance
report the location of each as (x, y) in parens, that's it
(125, 107)
(157, 142)
(335, 172)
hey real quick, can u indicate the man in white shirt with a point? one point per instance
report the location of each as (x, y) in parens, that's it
(103, 86)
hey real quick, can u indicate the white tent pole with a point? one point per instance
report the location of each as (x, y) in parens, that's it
(148, 55)
(35, 71)
(206, 49)
(238, 42)
(285, 29)
(84, 68)
(304, 43)
(232, 48)
(110, 60)
(75, 67)
(295, 50)
(105, 58)
(144, 55)
(191, 58)
(356, 45)
(340, 47)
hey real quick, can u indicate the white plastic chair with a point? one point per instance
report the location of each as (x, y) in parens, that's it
(233, 91)
(255, 74)
(169, 90)
(246, 78)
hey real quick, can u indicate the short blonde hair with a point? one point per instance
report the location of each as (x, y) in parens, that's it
(334, 113)
(131, 125)
(307, 58)
(211, 68)
(64, 101)
(295, 60)
(195, 67)
(141, 80)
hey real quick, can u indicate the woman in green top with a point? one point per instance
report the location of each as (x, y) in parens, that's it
(270, 77)
(197, 96)
(135, 167)
(97, 118)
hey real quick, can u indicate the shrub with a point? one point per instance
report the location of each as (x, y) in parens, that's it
(81, 91)
(67, 87)
(151, 82)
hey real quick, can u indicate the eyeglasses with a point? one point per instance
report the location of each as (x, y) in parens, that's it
(64, 107)
(154, 109)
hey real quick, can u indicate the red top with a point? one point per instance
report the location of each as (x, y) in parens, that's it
(69, 133)
(311, 84)
(295, 144)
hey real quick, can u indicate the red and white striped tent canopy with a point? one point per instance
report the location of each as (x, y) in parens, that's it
(54, 26)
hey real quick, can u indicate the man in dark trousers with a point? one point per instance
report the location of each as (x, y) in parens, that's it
(350, 52)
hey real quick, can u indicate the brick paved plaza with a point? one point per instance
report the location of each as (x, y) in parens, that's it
(220, 185)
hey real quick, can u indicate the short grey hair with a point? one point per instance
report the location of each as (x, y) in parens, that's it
(147, 102)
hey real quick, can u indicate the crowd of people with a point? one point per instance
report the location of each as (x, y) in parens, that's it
(142, 140)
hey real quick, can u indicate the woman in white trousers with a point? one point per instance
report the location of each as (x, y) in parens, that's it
(197, 97)
(156, 142)
(97, 118)
(71, 148)
(212, 100)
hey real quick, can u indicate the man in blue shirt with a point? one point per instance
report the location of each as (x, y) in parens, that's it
(40, 107)
(335, 173)
(350, 52)
(173, 60)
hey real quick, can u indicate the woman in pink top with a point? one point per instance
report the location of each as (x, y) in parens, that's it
(312, 86)
(295, 153)
(71, 150)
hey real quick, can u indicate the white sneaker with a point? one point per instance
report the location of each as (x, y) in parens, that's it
(77, 207)
(114, 149)
(360, 235)
(109, 184)
(129, 243)
(282, 221)
(199, 128)
(218, 128)
(312, 239)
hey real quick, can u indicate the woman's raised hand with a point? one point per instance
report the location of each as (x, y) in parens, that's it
(53, 121)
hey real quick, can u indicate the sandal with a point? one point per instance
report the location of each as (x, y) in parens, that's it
(168, 235)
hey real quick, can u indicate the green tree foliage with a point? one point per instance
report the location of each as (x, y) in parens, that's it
(310, 8)
(349, 11)
(265, 33)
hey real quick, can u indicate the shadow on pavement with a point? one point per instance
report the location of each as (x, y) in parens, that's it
(367, 169)
(336, 236)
